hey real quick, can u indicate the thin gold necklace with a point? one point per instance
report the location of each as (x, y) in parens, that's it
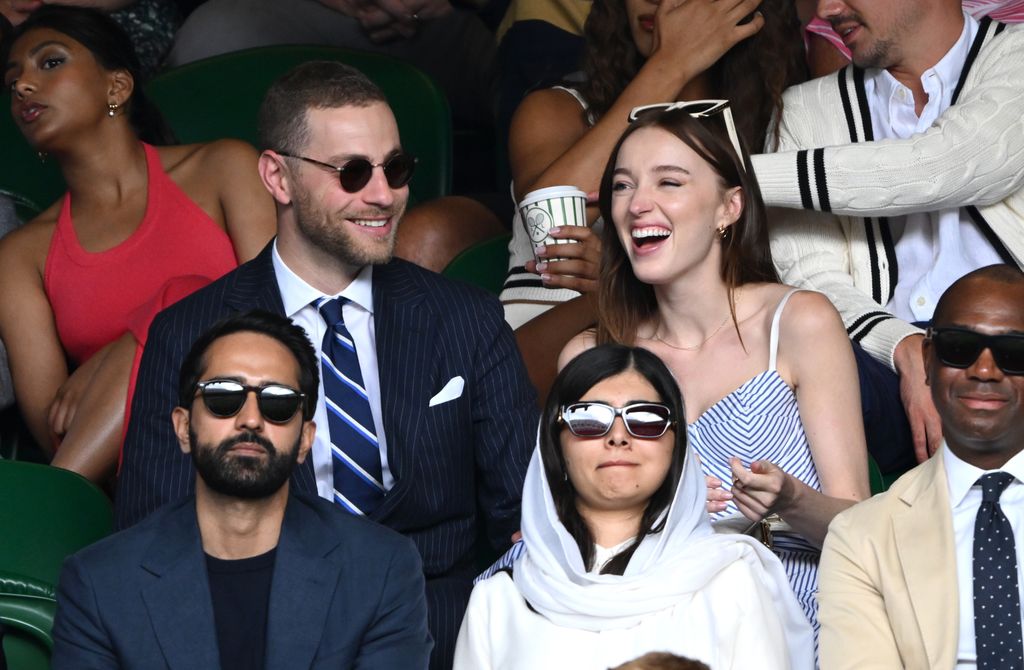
(696, 347)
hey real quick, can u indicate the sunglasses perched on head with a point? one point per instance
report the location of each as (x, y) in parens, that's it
(355, 174)
(960, 347)
(697, 109)
(225, 398)
(594, 419)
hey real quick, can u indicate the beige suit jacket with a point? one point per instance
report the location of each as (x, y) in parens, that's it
(887, 586)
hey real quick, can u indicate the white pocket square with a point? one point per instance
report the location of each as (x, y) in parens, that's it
(451, 391)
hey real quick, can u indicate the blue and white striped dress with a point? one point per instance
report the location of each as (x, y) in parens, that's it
(760, 420)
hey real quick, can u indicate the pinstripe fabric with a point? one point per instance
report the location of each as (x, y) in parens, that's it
(760, 420)
(452, 462)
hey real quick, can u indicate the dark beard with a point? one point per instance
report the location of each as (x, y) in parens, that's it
(243, 476)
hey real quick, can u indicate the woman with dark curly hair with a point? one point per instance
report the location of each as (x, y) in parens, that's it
(637, 52)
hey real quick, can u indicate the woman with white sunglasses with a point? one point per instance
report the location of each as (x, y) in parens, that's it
(619, 556)
(767, 372)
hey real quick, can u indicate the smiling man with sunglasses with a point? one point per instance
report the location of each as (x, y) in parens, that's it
(928, 574)
(426, 416)
(245, 574)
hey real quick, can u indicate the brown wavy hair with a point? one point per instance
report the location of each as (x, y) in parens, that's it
(625, 302)
(752, 75)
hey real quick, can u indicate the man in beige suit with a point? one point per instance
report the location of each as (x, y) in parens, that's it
(901, 573)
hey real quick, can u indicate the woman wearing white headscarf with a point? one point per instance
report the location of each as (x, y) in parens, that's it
(619, 557)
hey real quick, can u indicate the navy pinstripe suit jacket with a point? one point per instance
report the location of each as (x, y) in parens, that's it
(453, 462)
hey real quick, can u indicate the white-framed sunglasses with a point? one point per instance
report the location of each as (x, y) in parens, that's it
(698, 109)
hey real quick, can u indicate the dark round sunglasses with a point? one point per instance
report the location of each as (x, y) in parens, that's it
(960, 347)
(225, 398)
(355, 174)
(646, 420)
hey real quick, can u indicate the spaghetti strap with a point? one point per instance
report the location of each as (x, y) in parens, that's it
(773, 343)
(576, 94)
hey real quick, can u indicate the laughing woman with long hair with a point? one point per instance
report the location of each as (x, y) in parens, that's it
(772, 398)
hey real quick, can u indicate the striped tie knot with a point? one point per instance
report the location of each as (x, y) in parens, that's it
(331, 310)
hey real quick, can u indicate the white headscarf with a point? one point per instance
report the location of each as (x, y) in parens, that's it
(666, 569)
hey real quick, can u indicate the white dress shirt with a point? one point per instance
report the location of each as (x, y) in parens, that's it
(965, 499)
(298, 297)
(933, 249)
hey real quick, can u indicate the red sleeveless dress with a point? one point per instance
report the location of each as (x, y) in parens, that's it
(96, 297)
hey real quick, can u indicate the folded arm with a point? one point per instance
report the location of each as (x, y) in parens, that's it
(972, 155)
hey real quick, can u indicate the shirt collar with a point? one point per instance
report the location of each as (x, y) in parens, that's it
(961, 475)
(947, 70)
(296, 294)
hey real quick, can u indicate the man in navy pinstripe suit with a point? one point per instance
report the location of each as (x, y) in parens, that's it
(452, 406)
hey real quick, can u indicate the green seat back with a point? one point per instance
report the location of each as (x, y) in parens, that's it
(484, 264)
(47, 514)
(27, 607)
(878, 483)
(219, 97)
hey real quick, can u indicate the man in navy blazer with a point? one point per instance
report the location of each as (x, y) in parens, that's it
(452, 405)
(245, 575)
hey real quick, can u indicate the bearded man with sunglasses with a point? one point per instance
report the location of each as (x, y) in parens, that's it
(427, 417)
(928, 574)
(245, 574)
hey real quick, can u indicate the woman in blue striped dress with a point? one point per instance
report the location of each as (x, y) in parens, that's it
(768, 374)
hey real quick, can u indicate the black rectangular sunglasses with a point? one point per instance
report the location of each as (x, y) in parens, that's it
(960, 347)
(224, 398)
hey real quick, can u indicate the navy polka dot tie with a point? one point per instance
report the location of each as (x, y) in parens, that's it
(997, 631)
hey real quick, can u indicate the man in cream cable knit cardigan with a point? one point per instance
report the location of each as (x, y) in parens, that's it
(903, 172)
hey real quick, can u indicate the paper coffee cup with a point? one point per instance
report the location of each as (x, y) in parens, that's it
(552, 207)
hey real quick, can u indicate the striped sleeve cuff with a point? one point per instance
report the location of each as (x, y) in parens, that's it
(794, 179)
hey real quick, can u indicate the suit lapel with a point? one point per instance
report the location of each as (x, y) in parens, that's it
(255, 285)
(925, 543)
(301, 590)
(178, 599)
(405, 328)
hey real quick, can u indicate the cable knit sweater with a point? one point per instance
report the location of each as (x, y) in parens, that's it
(840, 242)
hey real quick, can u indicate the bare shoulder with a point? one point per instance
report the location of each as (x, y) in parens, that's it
(207, 159)
(25, 248)
(807, 315)
(548, 114)
(576, 346)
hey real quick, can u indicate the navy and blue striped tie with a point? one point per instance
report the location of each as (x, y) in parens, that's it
(358, 480)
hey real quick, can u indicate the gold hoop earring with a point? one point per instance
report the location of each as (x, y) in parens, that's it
(112, 109)
(723, 230)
